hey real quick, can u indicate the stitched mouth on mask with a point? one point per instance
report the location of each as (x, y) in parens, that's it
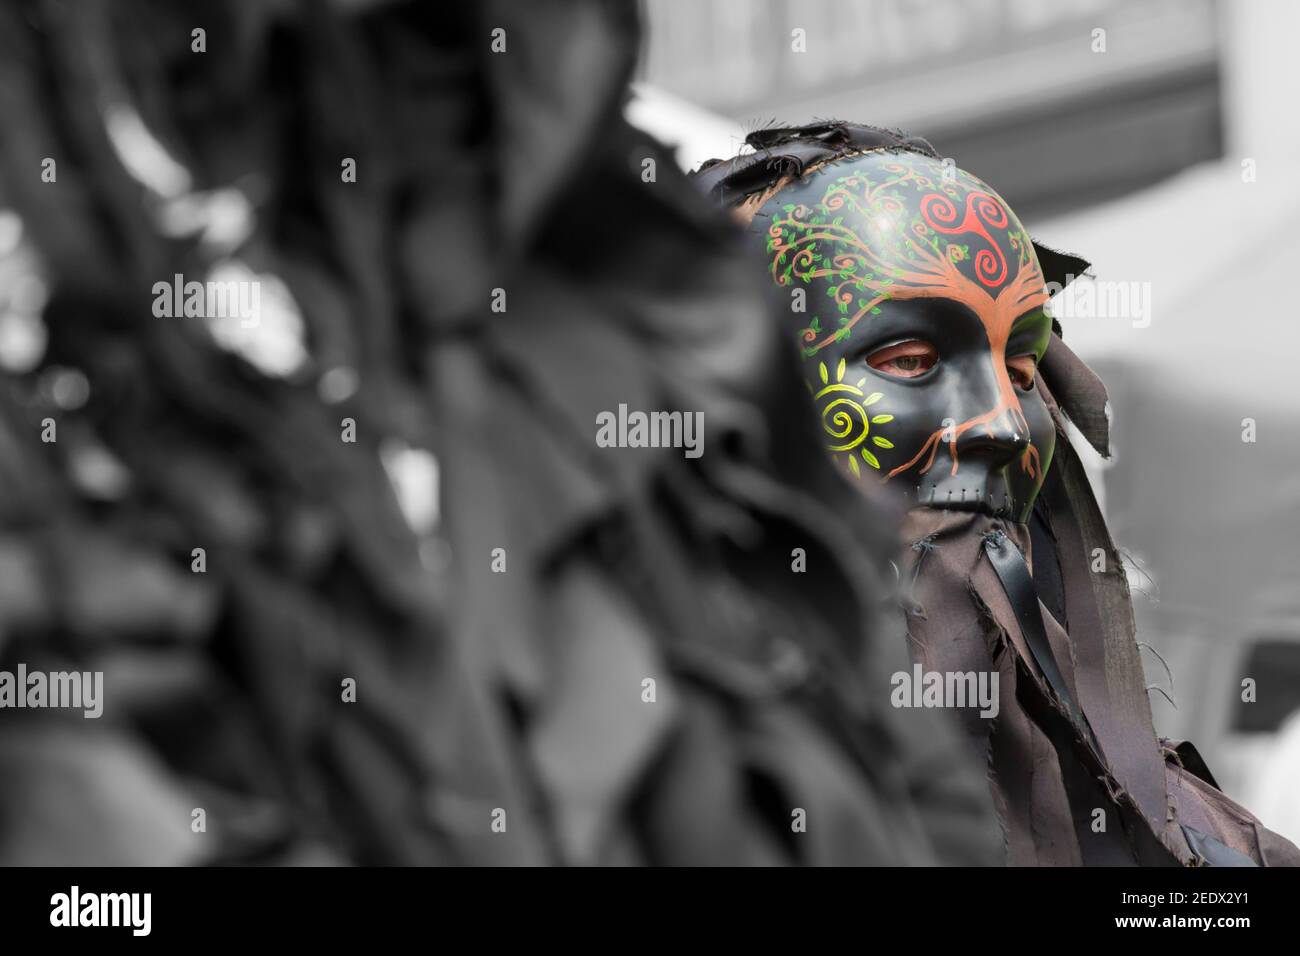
(952, 495)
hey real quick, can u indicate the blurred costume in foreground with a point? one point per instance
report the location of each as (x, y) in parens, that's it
(939, 374)
(560, 652)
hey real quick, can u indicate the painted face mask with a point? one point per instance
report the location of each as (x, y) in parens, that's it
(922, 325)
(918, 300)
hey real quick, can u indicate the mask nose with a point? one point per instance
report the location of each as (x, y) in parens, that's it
(985, 469)
(998, 445)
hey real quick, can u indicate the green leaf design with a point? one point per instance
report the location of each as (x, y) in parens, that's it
(870, 459)
(882, 442)
(872, 398)
(839, 371)
(879, 419)
(821, 369)
(853, 467)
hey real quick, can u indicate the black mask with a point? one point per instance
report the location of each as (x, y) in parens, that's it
(922, 322)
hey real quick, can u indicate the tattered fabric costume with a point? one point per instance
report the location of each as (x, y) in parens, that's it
(649, 682)
(920, 304)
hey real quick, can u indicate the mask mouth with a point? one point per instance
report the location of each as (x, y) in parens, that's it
(989, 496)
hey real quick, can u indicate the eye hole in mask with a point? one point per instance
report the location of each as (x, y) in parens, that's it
(914, 357)
(910, 359)
(1021, 370)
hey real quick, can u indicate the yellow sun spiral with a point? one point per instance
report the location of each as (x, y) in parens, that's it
(846, 421)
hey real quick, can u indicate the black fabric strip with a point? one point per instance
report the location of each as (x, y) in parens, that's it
(1083, 788)
(1016, 581)
(1083, 770)
(1194, 763)
(1048, 580)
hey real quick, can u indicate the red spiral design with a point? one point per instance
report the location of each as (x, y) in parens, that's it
(945, 218)
(982, 211)
(992, 211)
(991, 269)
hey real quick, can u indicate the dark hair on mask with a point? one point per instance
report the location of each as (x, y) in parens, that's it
(781, 151)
